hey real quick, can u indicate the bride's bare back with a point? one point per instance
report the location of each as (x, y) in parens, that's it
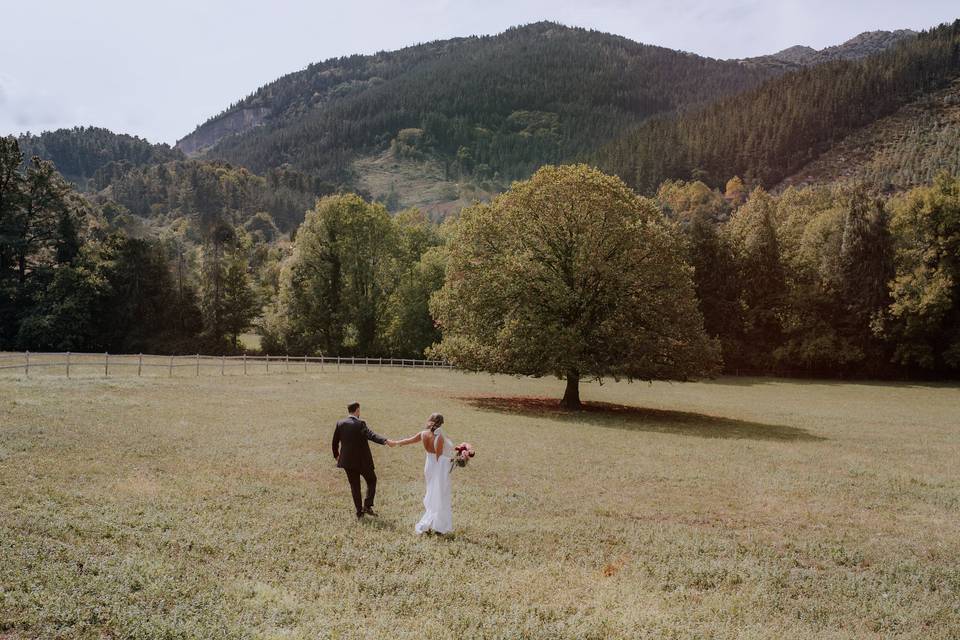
(431, 441)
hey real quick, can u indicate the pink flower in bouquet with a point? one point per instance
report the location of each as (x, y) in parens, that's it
(462, 454)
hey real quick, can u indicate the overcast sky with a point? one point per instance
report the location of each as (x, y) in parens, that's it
(159, 69)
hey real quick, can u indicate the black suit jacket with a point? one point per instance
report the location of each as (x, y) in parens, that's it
(351, 446)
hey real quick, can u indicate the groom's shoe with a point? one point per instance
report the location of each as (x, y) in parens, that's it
(370, 512)
(359, 515)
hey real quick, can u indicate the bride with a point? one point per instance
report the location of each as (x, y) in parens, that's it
(438, 514)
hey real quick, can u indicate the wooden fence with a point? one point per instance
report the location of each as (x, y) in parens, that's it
(169, 366)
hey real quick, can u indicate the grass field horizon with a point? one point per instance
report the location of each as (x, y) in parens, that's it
(737, 508)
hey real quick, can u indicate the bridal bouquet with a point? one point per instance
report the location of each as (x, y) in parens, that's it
(462, 454)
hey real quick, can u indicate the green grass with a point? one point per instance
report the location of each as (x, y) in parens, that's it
(209, 507)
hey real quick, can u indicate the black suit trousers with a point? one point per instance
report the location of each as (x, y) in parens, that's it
(353, 476)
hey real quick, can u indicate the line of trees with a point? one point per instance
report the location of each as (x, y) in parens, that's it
(196, 263)
(814, 281)
(358, 281)
(826, 281)
(72, 280)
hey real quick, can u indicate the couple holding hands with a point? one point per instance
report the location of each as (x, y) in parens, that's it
(351, 448)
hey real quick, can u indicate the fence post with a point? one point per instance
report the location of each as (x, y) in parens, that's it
(198, 365)
(223, 363)
(139, 365)
(286, 362)
(338, 363)
(381, 362)
(106, 364)
(304, 363)
(26, 367)
(171, 367)
(68, 364)
(268, 363)
(244, 364)
(366, 363)
(321, 362)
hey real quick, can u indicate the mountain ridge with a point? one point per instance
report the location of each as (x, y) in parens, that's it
(860, 46)
(564, 87)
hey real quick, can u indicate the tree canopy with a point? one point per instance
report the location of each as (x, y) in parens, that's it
(571, 274)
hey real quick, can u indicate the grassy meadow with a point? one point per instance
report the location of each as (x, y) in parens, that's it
(209, 507)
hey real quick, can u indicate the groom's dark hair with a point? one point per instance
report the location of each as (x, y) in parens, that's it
(353, 406)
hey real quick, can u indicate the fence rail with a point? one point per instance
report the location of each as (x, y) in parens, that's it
(106, 363)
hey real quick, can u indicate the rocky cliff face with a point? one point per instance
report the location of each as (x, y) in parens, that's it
(212, 131)
(861, 46)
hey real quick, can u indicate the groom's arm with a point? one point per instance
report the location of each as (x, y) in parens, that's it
(370, 435)
(336, 443)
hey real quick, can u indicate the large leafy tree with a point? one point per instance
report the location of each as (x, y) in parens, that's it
(572, 274)
(410, 329)
(335, 286)
(925, 312)
(407, 327)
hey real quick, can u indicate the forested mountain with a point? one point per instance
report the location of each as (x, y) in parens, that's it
(769, 132)
(493, 105)
(866, 44)
(441, 124)
(903, 150)
(90, 156)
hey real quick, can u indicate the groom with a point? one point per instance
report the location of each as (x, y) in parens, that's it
(352, 452)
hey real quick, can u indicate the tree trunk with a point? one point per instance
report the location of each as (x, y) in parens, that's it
(571, 397)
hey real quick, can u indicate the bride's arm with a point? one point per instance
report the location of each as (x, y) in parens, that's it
(410, 440)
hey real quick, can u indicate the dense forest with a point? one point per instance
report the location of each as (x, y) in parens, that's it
(496, 105)
(815, 281)
(85, 155)
(904, 150)
(89, 272)
(166, 192)
(767, 133)
(827, 280)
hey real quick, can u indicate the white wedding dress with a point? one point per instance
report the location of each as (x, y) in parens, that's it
(438, 512)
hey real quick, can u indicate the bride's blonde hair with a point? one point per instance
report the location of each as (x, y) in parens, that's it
(434, 421)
